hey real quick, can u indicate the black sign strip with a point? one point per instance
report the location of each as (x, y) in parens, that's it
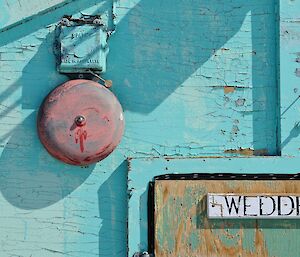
(228, 176)
(151, 211)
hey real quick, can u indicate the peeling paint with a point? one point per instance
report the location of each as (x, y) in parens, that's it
(159, 80)
(247, 152)
(240, 102)
(228, 89)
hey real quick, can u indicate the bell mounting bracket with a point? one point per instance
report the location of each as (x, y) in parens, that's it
(81, 47)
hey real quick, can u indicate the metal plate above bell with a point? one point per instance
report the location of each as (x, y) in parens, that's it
(80, 122)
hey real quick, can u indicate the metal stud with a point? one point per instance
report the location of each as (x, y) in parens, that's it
(80, 120)
(65, 22)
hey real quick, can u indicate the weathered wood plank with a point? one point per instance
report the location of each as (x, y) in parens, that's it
(182, 227)
(142, 171)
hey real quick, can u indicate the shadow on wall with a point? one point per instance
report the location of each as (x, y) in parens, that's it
(53, 15)
(159, 44)
(154, 49)
(29, 177)
(112, 197)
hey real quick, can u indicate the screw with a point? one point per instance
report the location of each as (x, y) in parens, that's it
(107, 83)
(65, 22)
(80, 120)
(143, 254)
(97, 21)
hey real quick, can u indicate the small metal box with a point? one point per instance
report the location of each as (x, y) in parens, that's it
(83, 48)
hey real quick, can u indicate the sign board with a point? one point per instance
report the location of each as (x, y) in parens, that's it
(255, 206)
(192, 218)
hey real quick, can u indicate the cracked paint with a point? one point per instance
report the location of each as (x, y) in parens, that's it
(180, 87)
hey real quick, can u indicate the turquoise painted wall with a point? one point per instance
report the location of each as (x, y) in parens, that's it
(195, 78)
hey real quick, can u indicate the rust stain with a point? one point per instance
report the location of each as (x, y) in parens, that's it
(176, 205)
(165, 195)
(229, 89)
(247, 151)
(260, 243)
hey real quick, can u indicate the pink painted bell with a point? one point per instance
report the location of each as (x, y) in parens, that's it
(80, 122)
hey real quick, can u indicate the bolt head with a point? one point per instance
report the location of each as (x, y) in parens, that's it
(65, 22)
(80, 120)
(97, 21)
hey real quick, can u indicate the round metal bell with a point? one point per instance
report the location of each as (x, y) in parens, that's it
(80, 122)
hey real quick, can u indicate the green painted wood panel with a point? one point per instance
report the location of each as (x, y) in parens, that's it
(198, 78)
